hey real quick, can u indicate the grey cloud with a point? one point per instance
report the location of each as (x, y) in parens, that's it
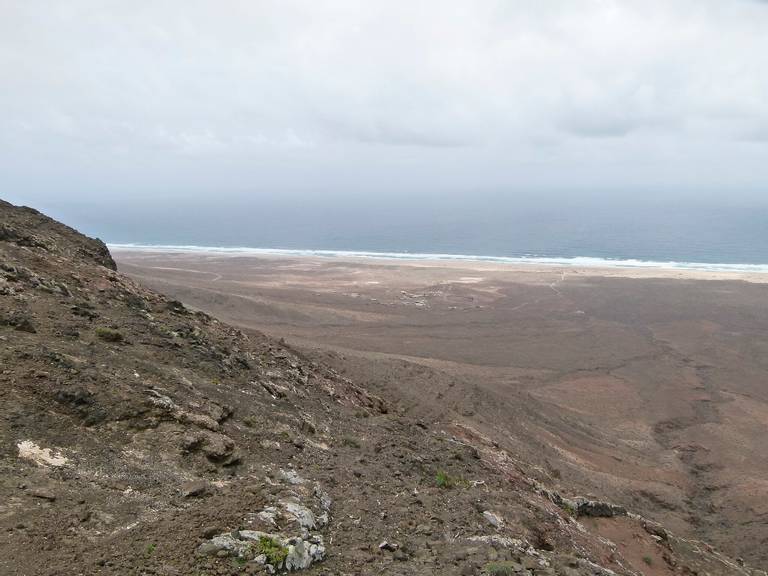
(757, 133)
(598, 127)
(289, 93)
(404, 137)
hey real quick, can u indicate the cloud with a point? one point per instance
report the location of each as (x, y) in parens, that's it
(757, 134)
(192, 92)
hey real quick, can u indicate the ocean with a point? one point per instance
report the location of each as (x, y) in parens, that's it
(566, 230)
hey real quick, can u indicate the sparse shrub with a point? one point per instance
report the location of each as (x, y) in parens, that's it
(177, 307)
(445, 480)
(249, 421)
(275, 552)
(570, 509)
(501, 568)
(350, 441)
(648, 560)
(109, 335)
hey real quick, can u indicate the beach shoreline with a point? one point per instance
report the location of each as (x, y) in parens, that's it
(490, 264)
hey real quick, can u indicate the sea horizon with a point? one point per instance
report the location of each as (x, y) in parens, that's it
(574, 261)
(558, 230)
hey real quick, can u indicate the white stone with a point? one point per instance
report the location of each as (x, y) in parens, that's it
(301, 514)
(493, 519)
(40, 456)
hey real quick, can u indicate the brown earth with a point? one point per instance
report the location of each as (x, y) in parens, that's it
(645, 387)
(140, 436)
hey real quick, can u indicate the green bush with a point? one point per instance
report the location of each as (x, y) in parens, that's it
(570, 509)
(275, 552)
(109, 335)
(501, 568)
(350, 441)
(444, 480)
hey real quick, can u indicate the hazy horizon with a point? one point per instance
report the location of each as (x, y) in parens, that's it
(651, 229)
(604, 127)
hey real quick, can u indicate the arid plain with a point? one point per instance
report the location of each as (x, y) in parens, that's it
(649, 387)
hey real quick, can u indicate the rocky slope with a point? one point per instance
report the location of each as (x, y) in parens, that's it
(138, 436)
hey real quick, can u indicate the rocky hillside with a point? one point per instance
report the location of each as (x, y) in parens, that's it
(139, 436)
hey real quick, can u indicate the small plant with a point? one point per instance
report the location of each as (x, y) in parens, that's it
(109, 335)
(350, 441)
(444, 480)
(249, 421)
(648, 560)
(151, 548)
(502, 568)
(275, 552)
(570, 509)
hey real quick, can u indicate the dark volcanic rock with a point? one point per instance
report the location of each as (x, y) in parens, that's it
(29, 228)
(598, 509)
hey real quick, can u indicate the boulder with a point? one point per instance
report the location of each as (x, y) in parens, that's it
(300, 553)
(597, 508)
(300, 513)
(493, 519)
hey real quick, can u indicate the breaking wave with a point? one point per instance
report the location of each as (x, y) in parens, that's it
(575, 262)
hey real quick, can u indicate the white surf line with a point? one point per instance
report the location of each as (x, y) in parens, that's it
(577, 261)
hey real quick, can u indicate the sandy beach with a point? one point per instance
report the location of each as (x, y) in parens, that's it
(619, 269)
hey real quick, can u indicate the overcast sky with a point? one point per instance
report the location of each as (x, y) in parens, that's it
(186, 98)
